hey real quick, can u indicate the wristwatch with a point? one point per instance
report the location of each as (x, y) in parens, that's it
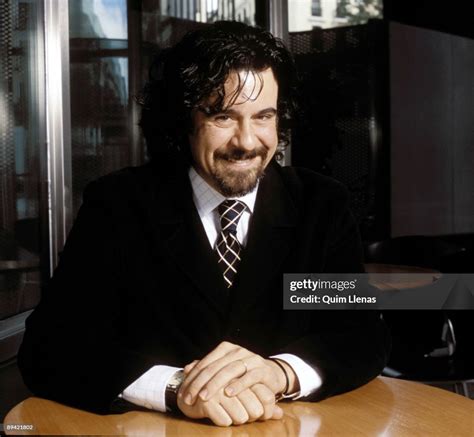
(171, 392)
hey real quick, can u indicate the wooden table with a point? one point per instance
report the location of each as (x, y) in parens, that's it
(385, 406)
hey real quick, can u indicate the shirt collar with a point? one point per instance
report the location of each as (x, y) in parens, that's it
(207, 199)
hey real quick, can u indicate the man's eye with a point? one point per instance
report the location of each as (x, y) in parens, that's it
(265, 117)
(222, 117)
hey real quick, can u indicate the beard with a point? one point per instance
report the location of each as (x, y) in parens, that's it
(234, 182)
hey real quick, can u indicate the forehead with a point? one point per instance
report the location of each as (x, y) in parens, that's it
(244, 86)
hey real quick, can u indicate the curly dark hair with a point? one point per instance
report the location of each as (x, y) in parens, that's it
(183, 77)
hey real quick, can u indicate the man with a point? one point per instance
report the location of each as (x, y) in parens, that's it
(179, 263)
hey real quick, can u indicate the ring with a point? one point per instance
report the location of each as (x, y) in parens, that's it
(245, 364)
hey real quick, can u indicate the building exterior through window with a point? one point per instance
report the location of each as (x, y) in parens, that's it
(307, 14)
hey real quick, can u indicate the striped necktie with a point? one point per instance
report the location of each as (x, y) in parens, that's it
(227, 245)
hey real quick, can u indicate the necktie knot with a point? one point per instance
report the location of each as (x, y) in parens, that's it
(230, 212)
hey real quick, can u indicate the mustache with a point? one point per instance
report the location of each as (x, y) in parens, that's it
(239, 154)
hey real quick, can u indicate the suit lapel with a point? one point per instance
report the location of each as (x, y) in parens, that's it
(178, 229)
(271, 234)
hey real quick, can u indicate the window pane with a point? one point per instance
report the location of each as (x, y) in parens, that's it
(307, 14)
(99, 90)
(21, 140)
(206, 11)
(332, 55)
(164, 25)
(316, 7)
(98, 19)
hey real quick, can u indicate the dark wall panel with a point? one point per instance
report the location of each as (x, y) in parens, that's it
(463, 133)
(423, 144)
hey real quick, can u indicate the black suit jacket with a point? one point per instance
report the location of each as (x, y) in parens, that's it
(138, 284)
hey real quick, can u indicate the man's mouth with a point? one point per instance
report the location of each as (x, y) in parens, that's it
(241, 162)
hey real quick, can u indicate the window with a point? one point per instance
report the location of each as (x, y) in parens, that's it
(21, 147)
(98, 41)
(316, 8)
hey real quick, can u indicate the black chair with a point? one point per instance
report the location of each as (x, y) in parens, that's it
(425, 343)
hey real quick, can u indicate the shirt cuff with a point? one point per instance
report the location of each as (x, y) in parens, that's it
(308, 378)
(149, 389)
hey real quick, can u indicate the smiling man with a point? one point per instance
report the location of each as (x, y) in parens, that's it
(168, 295)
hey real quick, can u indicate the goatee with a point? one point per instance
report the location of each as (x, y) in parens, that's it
(238, 183)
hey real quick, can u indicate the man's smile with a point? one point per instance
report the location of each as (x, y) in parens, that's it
(241, 163)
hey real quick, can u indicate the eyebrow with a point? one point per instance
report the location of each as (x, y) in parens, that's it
(269, 110)
(272, 111)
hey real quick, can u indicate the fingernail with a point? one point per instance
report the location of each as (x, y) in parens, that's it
(188, 399)
(203, 395)
(229, 391)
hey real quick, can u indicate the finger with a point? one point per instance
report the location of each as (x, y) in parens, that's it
(235, 410)
(278, 413)
(190, 366)
(252, 405)
(217, 414)
(212, 356)
(219, 380)
(267, 399)
(227, 372)
(222, 349)
(192, 386)
(246, 381)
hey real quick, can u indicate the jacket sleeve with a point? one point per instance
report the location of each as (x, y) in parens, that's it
(347, 348)
(72, 350)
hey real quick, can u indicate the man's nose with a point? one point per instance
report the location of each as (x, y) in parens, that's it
(244, 136)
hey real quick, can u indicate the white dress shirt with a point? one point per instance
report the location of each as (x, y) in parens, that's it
(149, 389)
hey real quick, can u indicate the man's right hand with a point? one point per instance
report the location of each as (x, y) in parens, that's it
(257, 403)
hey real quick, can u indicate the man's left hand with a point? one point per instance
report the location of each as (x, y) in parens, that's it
(233, 367)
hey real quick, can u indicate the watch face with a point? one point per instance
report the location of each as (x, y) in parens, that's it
(176, 380)
(172, 390)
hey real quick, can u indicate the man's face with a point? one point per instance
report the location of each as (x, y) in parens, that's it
(231, 149)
